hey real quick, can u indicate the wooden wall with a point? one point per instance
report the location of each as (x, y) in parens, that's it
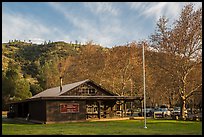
(37, 110)
(53, 111)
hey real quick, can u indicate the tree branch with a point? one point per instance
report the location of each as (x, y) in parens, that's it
(195, 89)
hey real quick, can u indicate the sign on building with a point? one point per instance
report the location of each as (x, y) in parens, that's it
(69, 108)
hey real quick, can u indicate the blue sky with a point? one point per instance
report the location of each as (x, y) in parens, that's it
(105, 23)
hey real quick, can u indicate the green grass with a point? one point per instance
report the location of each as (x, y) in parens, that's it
(124, 127)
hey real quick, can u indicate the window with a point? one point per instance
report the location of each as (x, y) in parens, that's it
(92, 91)
(87, 90)
(91, 109)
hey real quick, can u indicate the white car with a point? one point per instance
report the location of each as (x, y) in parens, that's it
(162, 112)
(177, 112)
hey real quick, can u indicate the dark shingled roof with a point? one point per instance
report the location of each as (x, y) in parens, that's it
(55, 92)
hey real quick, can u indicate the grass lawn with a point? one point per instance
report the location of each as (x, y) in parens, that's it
(123, 127)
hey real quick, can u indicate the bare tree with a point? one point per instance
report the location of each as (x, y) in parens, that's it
(182, 51)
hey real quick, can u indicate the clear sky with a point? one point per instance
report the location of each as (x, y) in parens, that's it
(105, 23)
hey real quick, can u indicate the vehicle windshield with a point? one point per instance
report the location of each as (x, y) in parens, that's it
(164, 109)
(158, 109)
(177, 108)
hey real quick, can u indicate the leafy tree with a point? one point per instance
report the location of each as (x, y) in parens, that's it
(15, 87)
(35, 89)
(22, 90)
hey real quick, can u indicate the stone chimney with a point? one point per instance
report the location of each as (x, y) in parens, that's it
(60, 84)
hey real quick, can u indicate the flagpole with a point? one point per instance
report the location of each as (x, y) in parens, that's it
(144, 88)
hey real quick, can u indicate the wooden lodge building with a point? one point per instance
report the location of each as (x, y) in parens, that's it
(72, 102)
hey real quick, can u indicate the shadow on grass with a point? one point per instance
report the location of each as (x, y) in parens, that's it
(6, 120)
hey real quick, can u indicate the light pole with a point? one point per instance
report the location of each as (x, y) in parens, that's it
(144, 87)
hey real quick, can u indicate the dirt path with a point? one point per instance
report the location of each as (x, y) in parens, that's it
(112, 119)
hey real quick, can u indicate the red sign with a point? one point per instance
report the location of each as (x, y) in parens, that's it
(69, 108)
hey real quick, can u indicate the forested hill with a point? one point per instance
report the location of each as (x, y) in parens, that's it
(31, 56)
(37, 66)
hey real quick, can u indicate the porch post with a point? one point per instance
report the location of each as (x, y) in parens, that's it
(105, 112)
(122, 108)
(125, 108)
(99, 109)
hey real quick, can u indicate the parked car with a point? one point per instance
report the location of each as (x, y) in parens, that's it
(196, 117)
(177, 112)
(149, 112)
(162, 112)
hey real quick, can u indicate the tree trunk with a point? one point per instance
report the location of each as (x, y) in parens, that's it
(183, 107)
